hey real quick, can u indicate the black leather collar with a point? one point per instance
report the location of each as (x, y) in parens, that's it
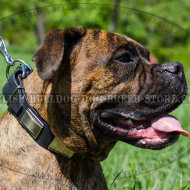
(28, 117)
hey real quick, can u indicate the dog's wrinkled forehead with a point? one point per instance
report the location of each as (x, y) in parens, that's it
(140, 48)
(107, 42)
(100, 47)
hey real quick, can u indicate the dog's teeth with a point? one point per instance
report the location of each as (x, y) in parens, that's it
(142, 141)
(140, 127)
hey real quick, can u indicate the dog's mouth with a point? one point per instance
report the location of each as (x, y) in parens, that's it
(155, 133)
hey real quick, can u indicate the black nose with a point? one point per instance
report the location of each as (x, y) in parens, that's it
(172, 68)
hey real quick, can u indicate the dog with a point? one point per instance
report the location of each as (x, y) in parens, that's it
(108, 91)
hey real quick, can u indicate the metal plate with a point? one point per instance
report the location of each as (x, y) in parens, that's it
(31, 123)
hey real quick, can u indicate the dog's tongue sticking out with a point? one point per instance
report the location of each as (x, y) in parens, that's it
(168, 124)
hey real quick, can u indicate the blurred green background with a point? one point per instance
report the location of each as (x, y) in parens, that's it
(163, 26)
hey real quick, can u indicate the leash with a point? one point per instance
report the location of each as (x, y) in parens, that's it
(18, 105)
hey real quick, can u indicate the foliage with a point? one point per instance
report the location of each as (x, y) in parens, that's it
(165, 33)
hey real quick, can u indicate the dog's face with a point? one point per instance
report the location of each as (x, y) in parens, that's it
(109, 90)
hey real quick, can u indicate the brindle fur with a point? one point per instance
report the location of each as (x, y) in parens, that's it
(73, 62)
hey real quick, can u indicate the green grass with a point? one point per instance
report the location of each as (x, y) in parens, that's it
(128, 167)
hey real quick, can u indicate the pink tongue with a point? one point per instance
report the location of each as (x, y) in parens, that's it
(168, 124)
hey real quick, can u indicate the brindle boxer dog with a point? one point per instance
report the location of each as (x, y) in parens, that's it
(99, 72)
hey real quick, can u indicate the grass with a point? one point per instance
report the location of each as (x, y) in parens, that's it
(128, 167)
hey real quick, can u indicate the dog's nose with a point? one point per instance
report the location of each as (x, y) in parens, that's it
(172, 68)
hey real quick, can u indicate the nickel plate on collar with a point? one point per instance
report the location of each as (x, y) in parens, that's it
(31, 123)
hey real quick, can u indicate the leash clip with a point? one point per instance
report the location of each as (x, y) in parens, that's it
(10, 61)
(5, 53)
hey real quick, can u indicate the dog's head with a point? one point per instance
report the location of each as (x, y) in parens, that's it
(107, 90)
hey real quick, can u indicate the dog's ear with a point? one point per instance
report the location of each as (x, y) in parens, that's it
(50, 54)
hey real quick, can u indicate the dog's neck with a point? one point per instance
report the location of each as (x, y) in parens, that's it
(22, 158)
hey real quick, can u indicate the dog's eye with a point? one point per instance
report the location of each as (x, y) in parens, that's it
(124, 58)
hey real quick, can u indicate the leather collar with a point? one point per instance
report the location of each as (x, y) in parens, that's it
(28, 117)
